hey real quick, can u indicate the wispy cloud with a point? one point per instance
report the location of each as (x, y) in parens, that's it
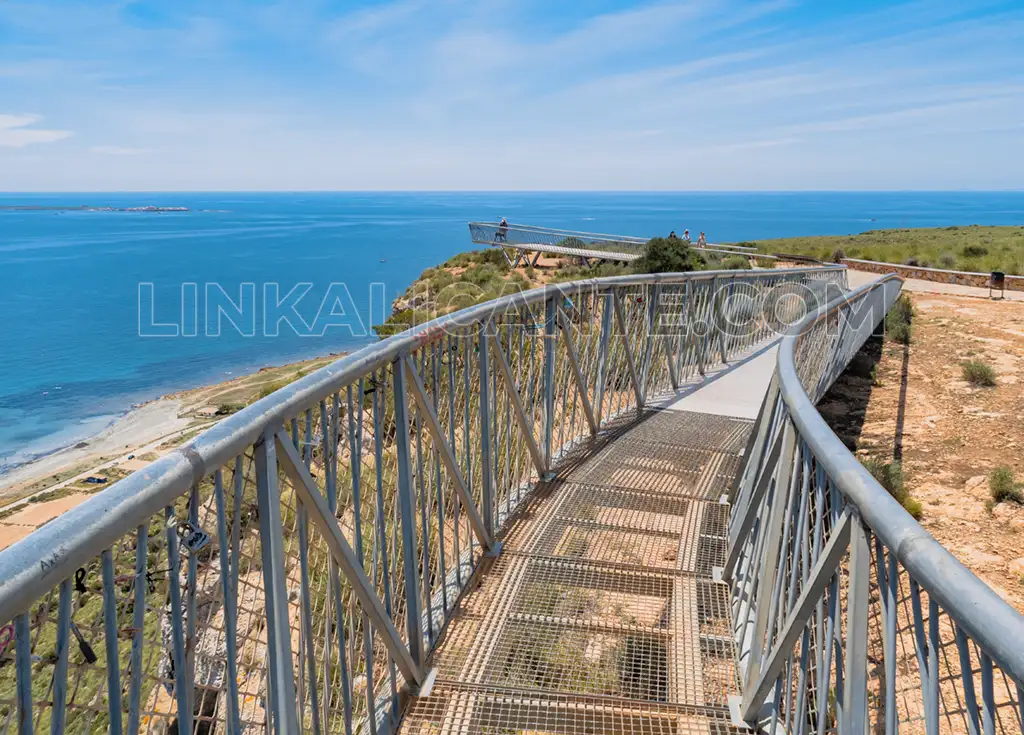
(16, 131)
(116, 150)
(430, 93)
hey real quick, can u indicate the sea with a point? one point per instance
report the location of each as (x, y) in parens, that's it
(103, 308)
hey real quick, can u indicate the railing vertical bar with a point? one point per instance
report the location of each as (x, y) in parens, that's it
(825, 656)
(988, 708)
(933, 699)
(60, 668)
(327, 461)
(892, 716)
(467, 451)
(139, 622)
(230, 603)
(406, 504)
(769, 569)
(236, 523)
(23, 668)
(967, 676)
(652, 312)
(380, 533)
(452, 420)
(487, 479)
(602, 355)
(281, 694)
(182, 693)
(309, 649)
(628, 350)
(857, 599)
(549, 378)
(439, 441)
(191, 614)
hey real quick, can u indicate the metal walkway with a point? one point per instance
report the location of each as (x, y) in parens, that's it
(512, 520)
(601, 614)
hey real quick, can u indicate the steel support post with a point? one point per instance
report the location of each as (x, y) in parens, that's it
(281, 694)
(602, 353)
(407, 511)
(486, 464)
(549, 378)
(855, 695)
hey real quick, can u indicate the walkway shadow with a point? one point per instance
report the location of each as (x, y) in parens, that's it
(845, 405)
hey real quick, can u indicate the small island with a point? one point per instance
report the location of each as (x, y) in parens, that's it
(86, 208)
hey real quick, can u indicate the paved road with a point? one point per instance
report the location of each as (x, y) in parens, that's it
(915, 285)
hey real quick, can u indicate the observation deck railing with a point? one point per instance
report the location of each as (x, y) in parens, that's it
(292, 568)
(848, 615)
(570, 242)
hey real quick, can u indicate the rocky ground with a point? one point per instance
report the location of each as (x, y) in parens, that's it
(916, 407)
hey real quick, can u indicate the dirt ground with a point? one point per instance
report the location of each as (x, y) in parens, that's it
(947, 433)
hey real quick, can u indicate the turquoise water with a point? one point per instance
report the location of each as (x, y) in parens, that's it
(71, 357)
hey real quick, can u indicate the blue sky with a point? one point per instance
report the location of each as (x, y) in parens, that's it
(511, 94)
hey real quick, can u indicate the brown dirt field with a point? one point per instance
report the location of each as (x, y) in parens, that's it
(11, 534)
(36, 514)
(947, 433)
(19, 525)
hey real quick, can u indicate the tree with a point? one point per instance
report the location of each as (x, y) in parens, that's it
(664, 255)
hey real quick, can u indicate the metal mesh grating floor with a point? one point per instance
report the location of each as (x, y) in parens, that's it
(601, 615)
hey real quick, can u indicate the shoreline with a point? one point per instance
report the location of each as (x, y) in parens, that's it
(149, 422)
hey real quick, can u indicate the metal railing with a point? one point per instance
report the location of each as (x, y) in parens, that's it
(588, 244)
(849, 616)
(562, 242)
(292, 567)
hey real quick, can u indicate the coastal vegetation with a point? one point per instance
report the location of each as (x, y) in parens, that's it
(898, 320)
(1003, 486)
(890, 476)
(972, 248)
(476, 276)
(979, 373)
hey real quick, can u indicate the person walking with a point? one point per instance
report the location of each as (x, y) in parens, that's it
(686, 236)
(702, 241)
(502, 234)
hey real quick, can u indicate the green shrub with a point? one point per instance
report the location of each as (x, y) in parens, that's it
(837, 255)
(974, 251)
(766, 262)
(979, 373)
(890, 476)
(736, 263)
(913, 507)
(898, 320)
(269, 388)
(1002, 486)
(226, 409)
(947, 260)
(662, 255)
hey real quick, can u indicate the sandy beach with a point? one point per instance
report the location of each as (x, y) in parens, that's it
(140, 436)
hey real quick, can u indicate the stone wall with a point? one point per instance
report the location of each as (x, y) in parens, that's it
(1013, 283)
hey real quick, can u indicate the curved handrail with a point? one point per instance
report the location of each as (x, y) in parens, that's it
(26, 573)
(989, 619)
(636, 243)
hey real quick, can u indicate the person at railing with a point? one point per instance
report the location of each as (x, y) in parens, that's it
(702, 241)
(686, 236)
(502, 234)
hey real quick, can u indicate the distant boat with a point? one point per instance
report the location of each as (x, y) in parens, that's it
(383, 260)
